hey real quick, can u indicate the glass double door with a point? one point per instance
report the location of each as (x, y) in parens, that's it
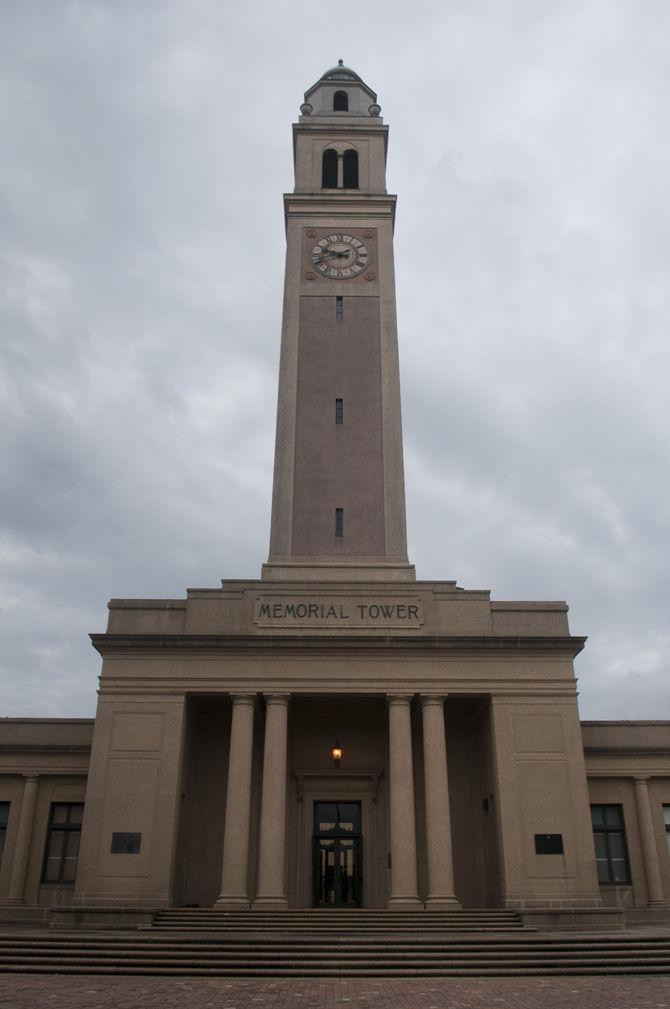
(337, 849)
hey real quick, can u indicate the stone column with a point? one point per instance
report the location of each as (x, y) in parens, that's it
(340, 171)
(404, 889)
(438, 821)
(649, 850)
(17, 879)
(271, 865)
(234, 876)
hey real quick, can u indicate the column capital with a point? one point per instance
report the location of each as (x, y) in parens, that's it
(641, 779)
(277, 699)
(243, 698)
(436, 699)
(402, 699)
(30, 777)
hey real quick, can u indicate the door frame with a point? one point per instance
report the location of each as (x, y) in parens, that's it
(352, 786)
(336, 837)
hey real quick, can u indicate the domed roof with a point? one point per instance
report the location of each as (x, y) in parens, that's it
(343, 74)
(340, 73)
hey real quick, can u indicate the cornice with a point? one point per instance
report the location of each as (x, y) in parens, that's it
(59, 748)
(627, 751)
(116, 643)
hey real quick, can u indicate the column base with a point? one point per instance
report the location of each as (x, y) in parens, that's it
(227, 903)
(269, 904)
(442, 904)
(404, 904)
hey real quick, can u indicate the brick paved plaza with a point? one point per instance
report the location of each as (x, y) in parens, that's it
(31, 992)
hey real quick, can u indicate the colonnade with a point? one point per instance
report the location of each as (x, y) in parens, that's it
(272, 845)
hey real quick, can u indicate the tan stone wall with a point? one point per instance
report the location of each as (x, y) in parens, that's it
(618, 753)
(133, 786)
(542, 790)
(54, 754)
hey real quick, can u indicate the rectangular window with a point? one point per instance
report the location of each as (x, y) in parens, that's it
(609, 836)
(339, 522)
(62, 850)
(339, 411)
(339, 308)
(4, 819)
(666, 817)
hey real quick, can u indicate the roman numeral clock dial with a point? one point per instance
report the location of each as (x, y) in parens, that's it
(340, 256)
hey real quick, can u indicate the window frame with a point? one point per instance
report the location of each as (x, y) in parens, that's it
(328, 163)
(607, 831)
(666, 822)
(68, 828)
(339, 523)
(5, 806)
(350, 169)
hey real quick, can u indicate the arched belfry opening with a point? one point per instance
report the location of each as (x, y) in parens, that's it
(340, 101)
(329, 169)
(350, 170)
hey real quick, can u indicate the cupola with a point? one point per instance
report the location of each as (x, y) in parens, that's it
(340, 92)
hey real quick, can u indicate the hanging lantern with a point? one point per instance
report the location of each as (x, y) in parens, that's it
(336, 753)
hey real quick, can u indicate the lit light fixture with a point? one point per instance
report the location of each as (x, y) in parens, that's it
(336, 754)
(336, 750)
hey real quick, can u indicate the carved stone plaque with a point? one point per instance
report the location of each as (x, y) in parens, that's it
(342, 611)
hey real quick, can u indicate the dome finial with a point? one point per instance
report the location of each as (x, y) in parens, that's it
(340, 63)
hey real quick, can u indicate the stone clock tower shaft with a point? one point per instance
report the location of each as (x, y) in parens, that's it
(338, 508)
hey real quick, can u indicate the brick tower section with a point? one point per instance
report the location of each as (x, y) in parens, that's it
(338, 510)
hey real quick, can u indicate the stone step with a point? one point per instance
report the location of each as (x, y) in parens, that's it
(374, 958)
(401, 930)
(153, 953)
(156, 940)
(320, 920)
(159, 941)
(358, 912)
(343, 970)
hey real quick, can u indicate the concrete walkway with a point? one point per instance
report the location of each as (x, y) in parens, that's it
(32, 992)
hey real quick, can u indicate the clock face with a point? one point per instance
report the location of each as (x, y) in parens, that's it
(340, 256)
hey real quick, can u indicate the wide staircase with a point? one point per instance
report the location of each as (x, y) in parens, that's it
(334, 943)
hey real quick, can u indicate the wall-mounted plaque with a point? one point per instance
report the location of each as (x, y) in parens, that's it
(548, 844)
(126, 844)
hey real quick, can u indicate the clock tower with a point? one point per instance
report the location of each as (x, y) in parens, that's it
(338, 509)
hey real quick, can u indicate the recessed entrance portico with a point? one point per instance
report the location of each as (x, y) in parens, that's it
(324, 835)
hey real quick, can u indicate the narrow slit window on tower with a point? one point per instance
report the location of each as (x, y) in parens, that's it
(351, 170)
(339, 307)
(329, 169)
(339, 411)
(339, 522)
(340, 101)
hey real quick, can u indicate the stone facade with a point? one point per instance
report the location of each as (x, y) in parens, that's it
(207, 777)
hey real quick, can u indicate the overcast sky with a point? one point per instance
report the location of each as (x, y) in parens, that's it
(145, 146)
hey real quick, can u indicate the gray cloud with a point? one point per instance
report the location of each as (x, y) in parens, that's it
(144, 152)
